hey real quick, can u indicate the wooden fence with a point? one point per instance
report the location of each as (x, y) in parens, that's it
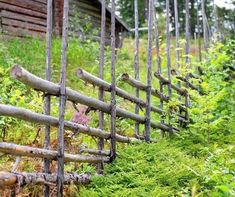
(97, 156)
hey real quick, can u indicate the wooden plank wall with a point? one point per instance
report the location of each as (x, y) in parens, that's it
(23, 17)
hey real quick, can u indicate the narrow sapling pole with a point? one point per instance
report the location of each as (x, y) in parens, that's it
(187, 33)
(136, 61)
(47, 97)
(149, 73)
(62, 103)
(113, 84)
(100, 166)
(204, 22)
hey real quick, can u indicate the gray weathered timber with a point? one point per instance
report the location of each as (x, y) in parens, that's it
(27, 115)
(149, 73)
(141, 86)
(87, 77)
(136, 61)
(19, 150)
(204, 23)
(100, 166)
(177, 35)
(181, 91)
(74, 96)
(95, 152)
(47, 97)
(168, 45)
(62, 102)
(113, 86)
(9, 179)
(187, 33)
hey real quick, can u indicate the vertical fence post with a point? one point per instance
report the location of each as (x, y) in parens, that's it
(101, 75)
(187, 52)
(60, 165)
(204, 22)
(149, 72)
(136, 62)
(168, 45)
(199, 33)
(187, 33)
(47, 97)
(159, 69)
(177, 35)
(113, 84)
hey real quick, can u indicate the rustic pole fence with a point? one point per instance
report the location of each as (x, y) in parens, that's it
(97, 156)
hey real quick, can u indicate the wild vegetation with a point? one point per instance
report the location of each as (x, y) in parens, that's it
(197, 162)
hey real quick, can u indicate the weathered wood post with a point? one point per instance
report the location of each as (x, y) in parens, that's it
(177, 35)
(101, 75)
(149, 73)
(62, 102)
(204, 22)
(187, 52)
(47, 104)
(136, 61)
(187, 34)
(113, 85)
(168, 45)
(159, 69)
(199, 33)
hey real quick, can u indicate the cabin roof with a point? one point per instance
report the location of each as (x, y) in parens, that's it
(108, 11)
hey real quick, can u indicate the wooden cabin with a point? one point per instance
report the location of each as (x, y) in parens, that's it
(28, 18)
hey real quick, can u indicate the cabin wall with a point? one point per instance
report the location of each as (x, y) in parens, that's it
(28, 18)
(23, 17)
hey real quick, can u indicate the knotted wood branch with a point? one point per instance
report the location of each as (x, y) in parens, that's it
(8, 179)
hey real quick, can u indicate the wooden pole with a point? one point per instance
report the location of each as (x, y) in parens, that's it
(136, 61)
(177, 35)
(113, 84)
(187, 34)
(100, 166)
(74, 96)
(9, 179)
(19, 150)
(87, 77)
(204, 22)
(199, 33)
(168, 45)
(149, 73)
(60, 161)
(30, 116)
(47, 97)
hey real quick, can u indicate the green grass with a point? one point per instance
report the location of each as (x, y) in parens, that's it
(198, 161)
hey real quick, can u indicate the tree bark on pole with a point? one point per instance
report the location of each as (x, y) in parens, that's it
(100, 166)
(62, 102)
(47, 97)
(149, 73)
(187, 34)
(199, 33)
(113, 84)
(168, 45)
(204, 22)
(136, 61)
(177, 34)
